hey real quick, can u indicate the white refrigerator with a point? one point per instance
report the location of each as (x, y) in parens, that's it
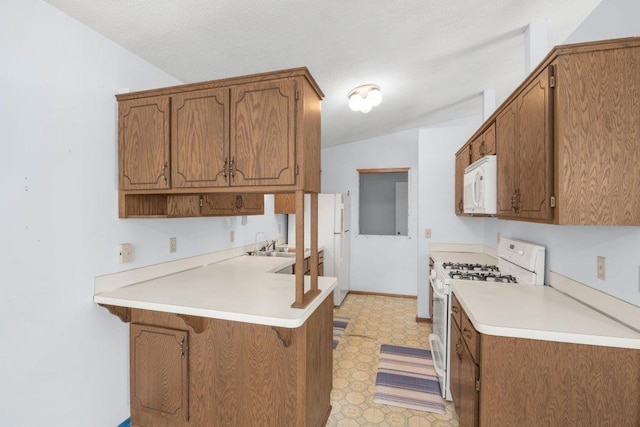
(333, 236)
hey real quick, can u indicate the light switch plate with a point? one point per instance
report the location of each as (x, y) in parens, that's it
(427, 233)
(125, 253)
(173, 245)
(232, 236)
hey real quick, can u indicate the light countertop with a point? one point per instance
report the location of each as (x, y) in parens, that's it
(538, 312)
(466, 257)
(243, 288)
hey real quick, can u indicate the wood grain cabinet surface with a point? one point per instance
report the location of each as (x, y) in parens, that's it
(226, 373)
(143, 149)
(524, 143)
(567, 138)
(506, 381)
(463, 159)
(250, 134)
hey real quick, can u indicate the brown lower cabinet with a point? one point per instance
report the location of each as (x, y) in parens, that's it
(194, 371)
(506, 381)
(306, 265)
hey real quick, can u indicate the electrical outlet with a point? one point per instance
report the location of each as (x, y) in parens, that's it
(232, 236)
(125, 253)
(602, 268)
(427, 233)
(173, 245)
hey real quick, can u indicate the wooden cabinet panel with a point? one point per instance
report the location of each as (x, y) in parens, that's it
(462, 161)
(258, 133)
(598, 137)
(232, 204)
(285, 203)
(469, 374)
(143, 143)
(528, 382)
(243, 374)
(470, 337)
(159, 371)
(263, 133)
(476, 149)
(525, 155)
(566, 139)
(184, 205)
(200, 139)
(506, 160)
(534, 149)
(455, 354)
(489, 141)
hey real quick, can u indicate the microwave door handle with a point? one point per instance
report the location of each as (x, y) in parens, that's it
(475, 188)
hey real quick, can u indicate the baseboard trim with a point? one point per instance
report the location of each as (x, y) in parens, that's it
(381, 294)
(423, 320)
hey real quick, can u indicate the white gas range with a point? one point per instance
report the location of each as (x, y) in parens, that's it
(519, 263)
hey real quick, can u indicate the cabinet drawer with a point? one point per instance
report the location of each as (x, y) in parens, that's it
(456, 310)
(471, 337)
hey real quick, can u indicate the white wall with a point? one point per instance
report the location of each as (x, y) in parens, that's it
(611, 19)
(572, 250)
(436, 189)
(64, 360)
(385, 264)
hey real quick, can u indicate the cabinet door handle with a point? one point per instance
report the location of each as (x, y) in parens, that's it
(224, 169)
(481, 150)
(164, 170)
(467, 333)
(232, 172)
(460, 205)
(455, 309)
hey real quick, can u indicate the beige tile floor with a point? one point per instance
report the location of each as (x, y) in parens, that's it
(375, 320)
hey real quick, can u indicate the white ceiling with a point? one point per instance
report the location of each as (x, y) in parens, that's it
(431, 58)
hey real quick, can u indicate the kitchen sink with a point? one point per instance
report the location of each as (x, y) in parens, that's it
(279, 254)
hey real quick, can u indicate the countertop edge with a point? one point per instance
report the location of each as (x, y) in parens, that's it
(224, 315)
(566, 337)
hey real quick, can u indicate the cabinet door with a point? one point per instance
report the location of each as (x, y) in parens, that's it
(489, 141)
(159, 381)
(455, 354)
(506, 160)
(232, 204)
(535, 162)
(462, 161)
(143, 143)
(469, 374)
(263, 133)
(476, 149)
(200, 139)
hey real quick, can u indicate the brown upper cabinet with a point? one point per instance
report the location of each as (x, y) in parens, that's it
(567, 138)
(463, 159)
(258, 133)
(524, 142)
(143, 148)
(484, 145)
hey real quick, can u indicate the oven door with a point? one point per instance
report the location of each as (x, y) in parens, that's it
(438, 339)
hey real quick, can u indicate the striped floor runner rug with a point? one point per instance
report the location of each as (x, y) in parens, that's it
(406, 378)
(339, 325)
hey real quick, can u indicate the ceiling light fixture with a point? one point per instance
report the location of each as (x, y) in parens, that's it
(364, 98)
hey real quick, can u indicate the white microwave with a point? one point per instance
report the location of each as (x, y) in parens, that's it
(480, 186)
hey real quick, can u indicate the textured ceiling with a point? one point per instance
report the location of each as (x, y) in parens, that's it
(431, 58)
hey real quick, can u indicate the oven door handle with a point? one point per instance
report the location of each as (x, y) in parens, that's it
(439, 371)
(436, 293)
